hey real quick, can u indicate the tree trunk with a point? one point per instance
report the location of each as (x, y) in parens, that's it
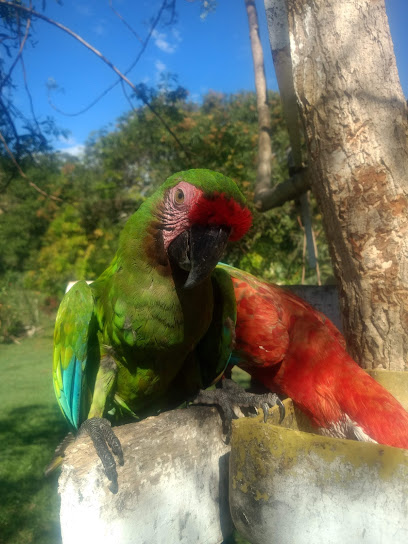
(355, 118)
(263, 176)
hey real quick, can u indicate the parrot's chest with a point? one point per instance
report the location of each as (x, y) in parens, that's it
(155, 341)
(163, 325)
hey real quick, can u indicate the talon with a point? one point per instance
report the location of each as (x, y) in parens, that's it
(282, 410)
(103, 438)
(272, 399)
(265, 409)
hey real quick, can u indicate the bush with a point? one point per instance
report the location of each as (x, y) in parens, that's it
(21, 311)
(11, 325)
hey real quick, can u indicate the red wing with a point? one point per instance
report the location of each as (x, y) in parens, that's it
(261, 337)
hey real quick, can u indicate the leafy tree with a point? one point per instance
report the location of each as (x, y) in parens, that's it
(25, 215)
(123, 166)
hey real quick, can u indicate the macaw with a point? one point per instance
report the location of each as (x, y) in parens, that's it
(158, 324)
(294, 350)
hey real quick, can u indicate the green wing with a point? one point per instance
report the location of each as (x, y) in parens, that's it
(75, 350)
(214, 350)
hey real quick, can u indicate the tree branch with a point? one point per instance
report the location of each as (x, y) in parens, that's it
(22, 44)
(277, 18)
(178, 454)
(30, 99)
(290, 189)
(21, 58)
(11, 123)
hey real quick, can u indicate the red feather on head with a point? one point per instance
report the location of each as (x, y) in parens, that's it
(220, 210)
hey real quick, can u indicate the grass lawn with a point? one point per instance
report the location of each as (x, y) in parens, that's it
(31, 426)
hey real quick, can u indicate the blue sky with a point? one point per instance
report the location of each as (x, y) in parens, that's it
(211, 54)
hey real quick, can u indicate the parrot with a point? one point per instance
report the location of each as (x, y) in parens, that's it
(296, 351)
(158, 324)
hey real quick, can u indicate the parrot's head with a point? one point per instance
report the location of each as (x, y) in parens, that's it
(200, 211)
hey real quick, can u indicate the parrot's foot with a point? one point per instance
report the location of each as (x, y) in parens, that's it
(232, 395)
(103, 438)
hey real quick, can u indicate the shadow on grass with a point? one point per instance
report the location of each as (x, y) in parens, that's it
(29, 506)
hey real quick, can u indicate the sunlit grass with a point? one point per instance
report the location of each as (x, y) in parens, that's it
(31, 426)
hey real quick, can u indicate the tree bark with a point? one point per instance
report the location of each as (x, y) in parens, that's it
(355, 118)
(263, 176)
(173, 486)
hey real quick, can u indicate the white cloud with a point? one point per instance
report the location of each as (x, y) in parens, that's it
(161, 41)
(74, 150)
(69, 145)
(160, 66)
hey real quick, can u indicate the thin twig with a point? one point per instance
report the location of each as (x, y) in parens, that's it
(318, 277)
(113, 85)
(22, 44)
(30, 98)
(23, 175)
(6, 184)
(126, 23)
(6, 113)
(127, 96)
(152, 109)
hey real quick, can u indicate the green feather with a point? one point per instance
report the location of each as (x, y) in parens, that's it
(75, 342)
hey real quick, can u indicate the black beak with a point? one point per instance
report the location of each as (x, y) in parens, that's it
(198, 251)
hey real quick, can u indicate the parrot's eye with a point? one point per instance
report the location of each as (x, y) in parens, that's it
(179, 196)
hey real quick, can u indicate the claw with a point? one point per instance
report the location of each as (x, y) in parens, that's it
(282, 410)
(103, 438)
(272, 399)
(232, 394)
(265, 409)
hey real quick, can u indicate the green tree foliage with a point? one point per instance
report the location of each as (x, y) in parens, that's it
(52, 243)
(25, 214)
(82, 236)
